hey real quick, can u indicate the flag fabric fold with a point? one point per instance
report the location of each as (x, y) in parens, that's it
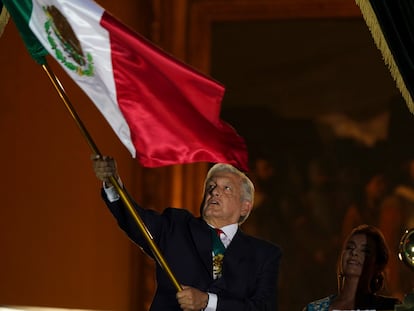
(161, 109)
(4, 17)
(391, 23)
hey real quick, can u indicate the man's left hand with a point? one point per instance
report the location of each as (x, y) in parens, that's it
(192, 299)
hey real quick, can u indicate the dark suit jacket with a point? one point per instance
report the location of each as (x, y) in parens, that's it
(250, 267)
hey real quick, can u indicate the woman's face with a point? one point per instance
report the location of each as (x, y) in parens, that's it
(357, 255)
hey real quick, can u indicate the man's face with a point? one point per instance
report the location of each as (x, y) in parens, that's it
(223, 203)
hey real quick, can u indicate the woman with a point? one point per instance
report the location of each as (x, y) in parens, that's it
(360, 274)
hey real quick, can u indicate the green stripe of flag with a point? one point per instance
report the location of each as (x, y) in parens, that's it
(20, 12)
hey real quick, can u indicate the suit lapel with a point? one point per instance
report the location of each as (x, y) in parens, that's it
(236, 255)
(239, 246)
(201, 236)
(234, 265)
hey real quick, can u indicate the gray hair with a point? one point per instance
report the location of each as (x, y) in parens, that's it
(247, 187)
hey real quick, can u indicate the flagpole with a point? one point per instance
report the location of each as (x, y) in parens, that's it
(122, 193)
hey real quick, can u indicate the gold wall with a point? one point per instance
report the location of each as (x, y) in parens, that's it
(59, 245)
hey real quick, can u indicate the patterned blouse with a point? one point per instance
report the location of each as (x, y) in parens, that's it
(320, 305)
(373, 302)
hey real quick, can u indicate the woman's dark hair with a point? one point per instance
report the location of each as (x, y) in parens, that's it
(373, 234)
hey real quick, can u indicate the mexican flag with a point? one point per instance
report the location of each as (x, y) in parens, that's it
(162, 110)
(4, 18)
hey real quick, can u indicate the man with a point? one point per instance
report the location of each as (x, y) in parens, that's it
(247, 278)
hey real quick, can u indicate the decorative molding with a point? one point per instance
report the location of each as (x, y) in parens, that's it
(204, 13)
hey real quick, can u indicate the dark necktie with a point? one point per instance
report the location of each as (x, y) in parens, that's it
(218, 253)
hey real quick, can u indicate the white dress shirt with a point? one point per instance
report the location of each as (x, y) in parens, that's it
(228, 233)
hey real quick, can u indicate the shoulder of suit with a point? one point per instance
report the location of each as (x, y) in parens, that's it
(258, 241)
(178, 212)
